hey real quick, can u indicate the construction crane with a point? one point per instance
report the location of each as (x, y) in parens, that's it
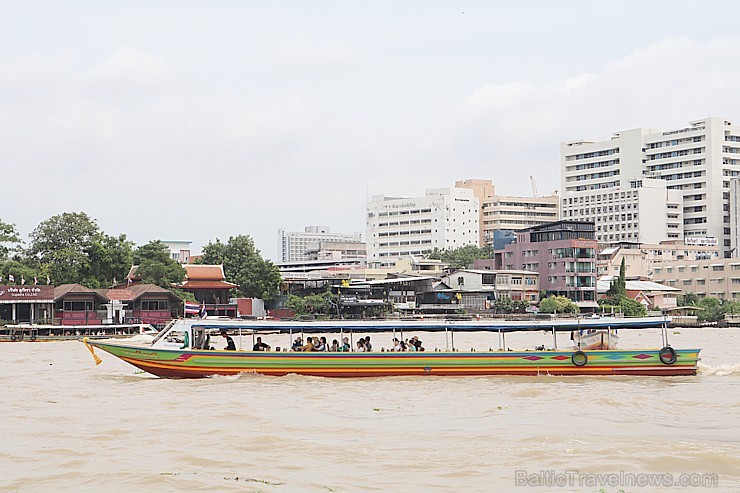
(534, 186)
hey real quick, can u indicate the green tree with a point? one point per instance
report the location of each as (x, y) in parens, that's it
(557, 304)
(244, 265)
(19, 270)
(110, 259)
(9, 240)
(623, 304)
(155, 266)
(688, 299)
(462, 257)
(618, 285)
(296, 304)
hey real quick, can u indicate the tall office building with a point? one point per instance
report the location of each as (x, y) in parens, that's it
(444, 218)
(648, 185)
(294, 246)
(506, 213)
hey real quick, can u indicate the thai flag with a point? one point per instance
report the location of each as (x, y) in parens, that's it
(191, 308)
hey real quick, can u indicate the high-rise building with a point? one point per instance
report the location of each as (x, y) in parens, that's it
(293, 246)
(444, 218)
(647, 185)
(500, 214)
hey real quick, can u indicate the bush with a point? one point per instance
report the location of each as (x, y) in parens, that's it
(557, 304)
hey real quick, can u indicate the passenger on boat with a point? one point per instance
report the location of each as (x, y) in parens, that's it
(309, 346)
(344, 348)
(297, 344)
(334, 346)
(320, 344)
(230, 346)
(417, 344)
(410, 345)
(396, 345)
(260, 346)
(360, 346)
(368, 346)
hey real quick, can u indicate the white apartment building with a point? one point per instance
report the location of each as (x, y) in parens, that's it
(293, 246)
(697, 161)
(444, 218)
(179, 250)
(506, 212)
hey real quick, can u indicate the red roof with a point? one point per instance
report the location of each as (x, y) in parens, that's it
(199, 272)
(208, 285)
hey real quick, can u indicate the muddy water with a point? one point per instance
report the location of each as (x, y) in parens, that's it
(67, 425)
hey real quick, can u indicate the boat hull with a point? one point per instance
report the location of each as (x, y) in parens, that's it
(197, 364)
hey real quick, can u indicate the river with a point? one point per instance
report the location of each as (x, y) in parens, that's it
(68, 425)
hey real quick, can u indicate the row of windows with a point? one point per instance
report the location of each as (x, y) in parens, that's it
(402, 213)
(675, 142)
(682, 152)
(674, 165)
(588, 155)
(599, 164)
(405, 243)
(406, 223)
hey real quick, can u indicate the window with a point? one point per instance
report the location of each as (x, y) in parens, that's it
(78, 306)
(153, 305)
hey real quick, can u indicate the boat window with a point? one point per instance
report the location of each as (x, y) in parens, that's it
(176, 336)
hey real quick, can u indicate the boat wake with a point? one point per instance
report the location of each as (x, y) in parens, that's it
(721, 370)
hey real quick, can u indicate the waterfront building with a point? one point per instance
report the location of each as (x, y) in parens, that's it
(600, 179)
(444, 218)
(717, 277)
(500, 214)
(293, 246)
(563, 253)
(480, 287)
(652, 295)
(641, 258)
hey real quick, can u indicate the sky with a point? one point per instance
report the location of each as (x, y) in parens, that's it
(180, 120)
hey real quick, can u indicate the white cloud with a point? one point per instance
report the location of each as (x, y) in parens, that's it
(515, 127)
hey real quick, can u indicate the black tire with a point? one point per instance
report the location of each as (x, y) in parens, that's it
(579, 358)
(668, 355)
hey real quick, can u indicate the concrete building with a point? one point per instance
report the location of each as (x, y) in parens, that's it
(444, 218)
(642, 258)
(697, 161)
(337, 250)
(179, 250)
(718, 278)
(503, 213)
(512, 284)
(293, 246)
(563, 253)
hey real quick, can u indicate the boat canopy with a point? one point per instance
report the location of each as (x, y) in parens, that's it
(330, 326)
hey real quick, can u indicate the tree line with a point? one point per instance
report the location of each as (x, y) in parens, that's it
(70, 248)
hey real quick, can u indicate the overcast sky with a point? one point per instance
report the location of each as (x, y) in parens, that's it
(196, 120)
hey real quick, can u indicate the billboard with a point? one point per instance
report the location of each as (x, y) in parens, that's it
(26, 294)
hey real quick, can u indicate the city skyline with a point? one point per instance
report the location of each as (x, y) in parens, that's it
(234, 119)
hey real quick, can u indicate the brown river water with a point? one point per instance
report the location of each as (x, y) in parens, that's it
(68, 425)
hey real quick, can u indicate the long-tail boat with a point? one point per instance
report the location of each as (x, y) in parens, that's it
(182, 350)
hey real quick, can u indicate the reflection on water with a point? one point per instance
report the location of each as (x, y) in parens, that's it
(69, 425)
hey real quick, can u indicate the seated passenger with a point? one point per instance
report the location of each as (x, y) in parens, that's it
(297, 344)
(360, 346)
(368, 346)
(230, 346)
(344, 348)
(319, 344)
(396, 345)
(410, 345)
(417, 344)
(309, 346)
(260, 346)
(334, 346)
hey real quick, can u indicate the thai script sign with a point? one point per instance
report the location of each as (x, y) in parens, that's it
(700, 241)
(26, 293)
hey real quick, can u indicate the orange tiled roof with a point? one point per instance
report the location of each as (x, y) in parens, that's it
(208, 285)
(197, 272)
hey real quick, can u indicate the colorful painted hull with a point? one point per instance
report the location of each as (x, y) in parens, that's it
(194, 364)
